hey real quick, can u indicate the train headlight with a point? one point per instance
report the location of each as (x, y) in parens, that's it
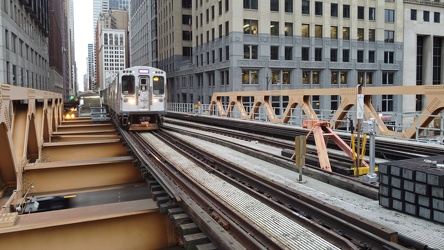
(130, 100)
(156, 100)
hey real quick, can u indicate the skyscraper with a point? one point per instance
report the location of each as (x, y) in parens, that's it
(102, 6)
(24, 57)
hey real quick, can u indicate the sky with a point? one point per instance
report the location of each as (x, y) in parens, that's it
(83, 34)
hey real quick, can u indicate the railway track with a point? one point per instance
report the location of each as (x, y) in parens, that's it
(310, 169)
(385, 149)
(338, 228)
(361, 232)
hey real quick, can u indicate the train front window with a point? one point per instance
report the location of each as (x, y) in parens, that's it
(128, 85)
(143, 84)
(158, 85)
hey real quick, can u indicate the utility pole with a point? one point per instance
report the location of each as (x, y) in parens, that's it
(370, 129)
(359, 117)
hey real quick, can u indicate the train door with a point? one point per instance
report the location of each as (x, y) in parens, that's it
(143, 93)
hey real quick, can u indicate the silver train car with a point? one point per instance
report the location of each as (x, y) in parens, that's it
(136, 99)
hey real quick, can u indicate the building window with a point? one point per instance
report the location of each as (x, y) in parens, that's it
(227, 52)
(334, 77)
(280, 77)
(360, 34)
(437, 17)
(371, 56)
(346, 11)
(334, 10)
(345, 55)
(387, 103)
(361, 12)
(186, 36)
(250, 27)
(249, 76)
(426, 16)
(346, 33)
(305, 30)
(388, 57)
(250, 51)
(288, 53)
(220, 8)
(306, 7)
(413, 15)
(187, 51)
(318, 54)
(310, 77)
(371, 35)
(334, 32)
(227, 28)
(318, 8)
(274, 53)
(250, 4)
(389, 16)
(334, 55)
(343, 77)
(306, 77)
(220, 30)
(305, 53)
(227, 5)
(289, 6)
(335, 101)
(389, 36)
(365, 78)
(387, 78)
(437, 51)
(360, 58)
(14, 75)
(220, 54)
(274, 5)
(371, 14)
(318, 31)
(338, 77)
(274, 28)
(288, 29)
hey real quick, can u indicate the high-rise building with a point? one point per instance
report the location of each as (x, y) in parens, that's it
(423, 48)
(24, 57)
(222, 45)
(112, 48)
(143, 33)
(59, 51)
(72, 62)
(90, 69)
(102, 6)
(118, 4)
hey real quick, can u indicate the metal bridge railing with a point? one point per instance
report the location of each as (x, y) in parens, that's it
(395, 122)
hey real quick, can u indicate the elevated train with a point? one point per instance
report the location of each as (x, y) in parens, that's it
(136, 99)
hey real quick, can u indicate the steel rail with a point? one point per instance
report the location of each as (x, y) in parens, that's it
(352, 227)
(249, 236)
(311, 167)
(389, 150)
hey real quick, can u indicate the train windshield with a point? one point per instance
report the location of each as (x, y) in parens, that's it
(158, 85)
(128, 85)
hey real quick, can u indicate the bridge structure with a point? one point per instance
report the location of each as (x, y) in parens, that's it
(44, 154)
(410, 127)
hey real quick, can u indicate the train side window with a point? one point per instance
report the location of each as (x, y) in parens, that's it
(158, 85)
(128, 85)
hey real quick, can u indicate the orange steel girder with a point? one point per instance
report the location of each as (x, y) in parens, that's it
(26, 116)
(321, 129)
(124, 225)
(434, 95)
